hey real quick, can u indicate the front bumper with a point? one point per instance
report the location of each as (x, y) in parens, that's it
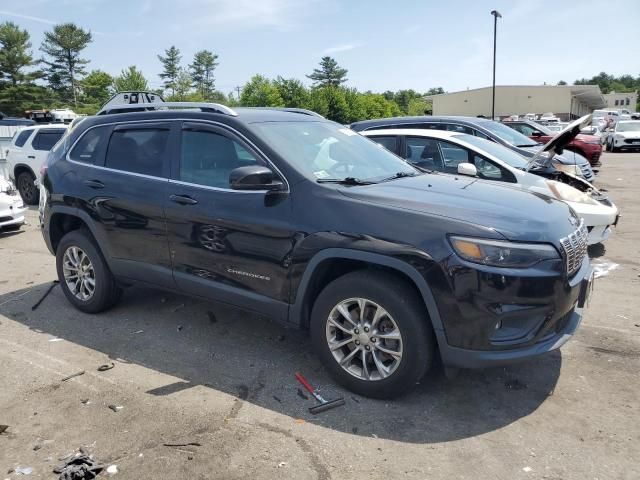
(504, 318)
(11, 210)
(597, 218)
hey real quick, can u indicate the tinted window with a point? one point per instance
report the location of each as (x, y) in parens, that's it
(424, 153)
(22, 137)
(208, 158)
(453, 155)
(44, 140)
(507, 134)
(504, 154)
(89, 146)
(387, 142)
(489, 170)
(137, 151)
(478, 133)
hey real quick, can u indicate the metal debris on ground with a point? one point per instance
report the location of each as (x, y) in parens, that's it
(323, 405)
(187, 444)
(106, 366)
(24, 470)
(73, 375)
(81, 466)
(116, 408)
(37, 304)
(137, 331)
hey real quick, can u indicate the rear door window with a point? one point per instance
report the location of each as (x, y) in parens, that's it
(424, 153)
(22, 137)
(138, 149)
(45, 139)
(453, 155)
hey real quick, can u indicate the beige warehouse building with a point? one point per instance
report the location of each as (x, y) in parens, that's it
(566, 101)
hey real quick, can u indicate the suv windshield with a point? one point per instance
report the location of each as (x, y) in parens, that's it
(328, 151)
(501, 153)
(508, 134)
(628, 127)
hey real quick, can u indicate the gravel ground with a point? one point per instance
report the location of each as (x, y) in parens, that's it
(190, 371)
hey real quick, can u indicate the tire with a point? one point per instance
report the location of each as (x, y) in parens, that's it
(105, 290)
(28, 191)
(404, 308)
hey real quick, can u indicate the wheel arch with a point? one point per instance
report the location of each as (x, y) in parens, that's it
(20, 168)
(64, 219)
(315, 277)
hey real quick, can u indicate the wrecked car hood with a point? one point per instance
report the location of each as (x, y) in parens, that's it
(557, 144)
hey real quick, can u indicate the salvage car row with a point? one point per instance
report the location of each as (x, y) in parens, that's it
(462, 239)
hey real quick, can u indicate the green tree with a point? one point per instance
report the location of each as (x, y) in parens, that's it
(65, 67)
(183, 85)
(329, 74)
(202, 68)
(292, 92)
(330, 102)
(435, 91)
(130, 80)
(16, 83)
(96, 87)
(260, 92)
(171, 68)
(419, 106)
(562, 82)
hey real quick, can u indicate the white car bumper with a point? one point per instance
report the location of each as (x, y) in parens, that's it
(11, 210)
(598, 218)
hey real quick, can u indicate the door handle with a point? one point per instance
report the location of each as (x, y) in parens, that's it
(94, 183)
(31, 156)
(183, 199)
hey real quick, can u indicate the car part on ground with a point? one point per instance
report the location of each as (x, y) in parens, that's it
(216, 203)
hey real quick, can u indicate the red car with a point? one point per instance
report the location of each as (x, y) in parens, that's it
(588, 146)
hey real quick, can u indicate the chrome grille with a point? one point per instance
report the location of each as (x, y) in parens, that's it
(587, 173)
(575, 248)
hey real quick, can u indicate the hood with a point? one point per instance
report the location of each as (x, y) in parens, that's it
(513, 213)
(635, 134)
(557, 144)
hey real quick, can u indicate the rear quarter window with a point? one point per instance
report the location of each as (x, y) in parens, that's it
(22, 137)
(45, 140)
(90, 146)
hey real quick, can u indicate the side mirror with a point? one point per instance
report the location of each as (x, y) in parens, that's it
(254, 177)
(536, 133)
(468, 169)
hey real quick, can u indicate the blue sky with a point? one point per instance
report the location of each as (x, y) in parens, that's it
(385, 45)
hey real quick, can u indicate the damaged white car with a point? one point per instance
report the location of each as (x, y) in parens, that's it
(11, 207)
(463, 154)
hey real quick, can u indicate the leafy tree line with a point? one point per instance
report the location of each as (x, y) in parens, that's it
(60, 78)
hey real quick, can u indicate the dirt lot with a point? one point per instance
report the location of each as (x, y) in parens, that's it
(188, 371)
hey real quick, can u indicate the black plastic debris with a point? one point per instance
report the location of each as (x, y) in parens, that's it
(106, 366)
(73, 375)
(116, 408)
(81, 466)
(186, 444)
(301, 394)
(37, 304)
(3, 428)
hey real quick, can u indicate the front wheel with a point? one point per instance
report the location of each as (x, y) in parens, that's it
(84, 275)
(372, 333)
(27, 188)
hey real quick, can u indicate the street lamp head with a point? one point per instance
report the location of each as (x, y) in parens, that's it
(496, 13)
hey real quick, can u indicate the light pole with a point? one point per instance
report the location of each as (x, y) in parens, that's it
(496, 15)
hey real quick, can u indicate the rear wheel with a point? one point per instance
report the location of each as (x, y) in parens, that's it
(27, 188)
(84, 276)
(372, 333)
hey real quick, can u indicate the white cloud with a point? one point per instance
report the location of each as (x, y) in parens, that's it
(29, 17)
(341, 48)
(246, 14)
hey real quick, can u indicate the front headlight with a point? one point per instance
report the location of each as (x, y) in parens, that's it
(567, 193)
(500, 253)
(593, 142)
(570, 169)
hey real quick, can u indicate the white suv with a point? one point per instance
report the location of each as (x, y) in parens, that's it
(27, 153)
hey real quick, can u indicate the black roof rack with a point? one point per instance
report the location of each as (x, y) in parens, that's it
(140, 107)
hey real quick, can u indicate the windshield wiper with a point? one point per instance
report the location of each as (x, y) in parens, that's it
(345, 181)
(400, 175)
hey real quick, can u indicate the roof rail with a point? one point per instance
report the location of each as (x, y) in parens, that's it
(302, 111)
(139, 107)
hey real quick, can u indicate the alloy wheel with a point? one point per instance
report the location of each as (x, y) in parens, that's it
(364, 339)
(79, 274)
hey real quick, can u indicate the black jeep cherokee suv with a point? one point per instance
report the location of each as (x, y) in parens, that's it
(299, 218)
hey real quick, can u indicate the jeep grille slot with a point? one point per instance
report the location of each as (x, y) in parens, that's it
(575, 248)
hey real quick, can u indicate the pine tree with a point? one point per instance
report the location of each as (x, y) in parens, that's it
(329, 74)
(64, 65)
(202, 68)
(171, 68)
(130, 80)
